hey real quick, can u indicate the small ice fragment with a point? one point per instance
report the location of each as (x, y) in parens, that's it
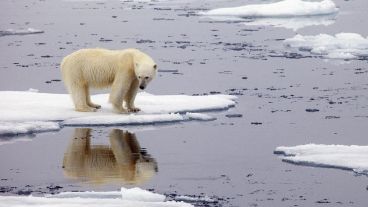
(344, 46)
(33, 90)
(353, 157)
(199, 116)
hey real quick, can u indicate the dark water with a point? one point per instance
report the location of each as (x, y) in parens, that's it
(283, 99)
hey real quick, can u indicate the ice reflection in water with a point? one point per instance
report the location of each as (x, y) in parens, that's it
(122, 161)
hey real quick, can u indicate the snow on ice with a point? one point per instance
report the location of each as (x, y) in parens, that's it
(124, 198)
(285, 8)
(351, 157)
(24, 112)
(340, 46)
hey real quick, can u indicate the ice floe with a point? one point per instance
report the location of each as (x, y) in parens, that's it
(26, 111)
(10, 128)
(339, 46)
(294, 23)
(285, 8)
(20, 31)
(346, 157)
(190, 199)
(290, 14)
(124, 198)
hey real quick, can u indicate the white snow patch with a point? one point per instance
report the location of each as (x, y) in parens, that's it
(340, 46)
(285, 8)
(27, 111)
(20, 31)
(351, 157)
(125, 198)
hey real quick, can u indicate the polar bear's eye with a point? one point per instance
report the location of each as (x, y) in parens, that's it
(139, 77)
(146, 77)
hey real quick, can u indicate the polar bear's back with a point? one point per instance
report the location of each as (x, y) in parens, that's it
(92, 67)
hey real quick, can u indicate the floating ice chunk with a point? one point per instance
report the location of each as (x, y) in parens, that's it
(285, 8)
(17, 128)
(33, 90)
(198, 116)
(194, 199)
(351, 157)
(294, 23)
(20, 32)
(340, 46)
(27, 112)
(125, 198)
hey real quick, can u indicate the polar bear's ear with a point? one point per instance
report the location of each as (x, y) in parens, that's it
(155, 67)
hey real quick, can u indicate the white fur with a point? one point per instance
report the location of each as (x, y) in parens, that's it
(122, 70)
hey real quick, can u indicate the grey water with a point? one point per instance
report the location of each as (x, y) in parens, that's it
(283, 100)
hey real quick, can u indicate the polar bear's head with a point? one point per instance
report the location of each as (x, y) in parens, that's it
(145, 72)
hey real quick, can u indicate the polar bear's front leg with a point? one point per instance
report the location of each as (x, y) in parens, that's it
(89, 102)
(118, 91)
(130, 97)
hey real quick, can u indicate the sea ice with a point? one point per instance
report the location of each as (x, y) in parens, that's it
(340, 46)
(30, 112)
(351, 157)
(124, 198)
(12, 128)
(20, 31)
(294, 23)
(132, 194)
(194, 199)
(285, 8)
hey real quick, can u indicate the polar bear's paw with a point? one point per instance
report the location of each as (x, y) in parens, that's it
(96, 106)
(86, 109)
(134, 109)
(120, 110)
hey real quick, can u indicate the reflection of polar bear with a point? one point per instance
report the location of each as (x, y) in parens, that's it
(123, 70)
(124, 161)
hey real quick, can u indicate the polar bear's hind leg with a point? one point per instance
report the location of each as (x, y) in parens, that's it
(79, 97)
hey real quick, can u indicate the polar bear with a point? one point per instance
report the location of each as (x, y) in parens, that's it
(123, 70)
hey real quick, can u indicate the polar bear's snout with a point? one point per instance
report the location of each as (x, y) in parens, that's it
(143, 82)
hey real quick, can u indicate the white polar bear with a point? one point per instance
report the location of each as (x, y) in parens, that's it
(122, 70)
